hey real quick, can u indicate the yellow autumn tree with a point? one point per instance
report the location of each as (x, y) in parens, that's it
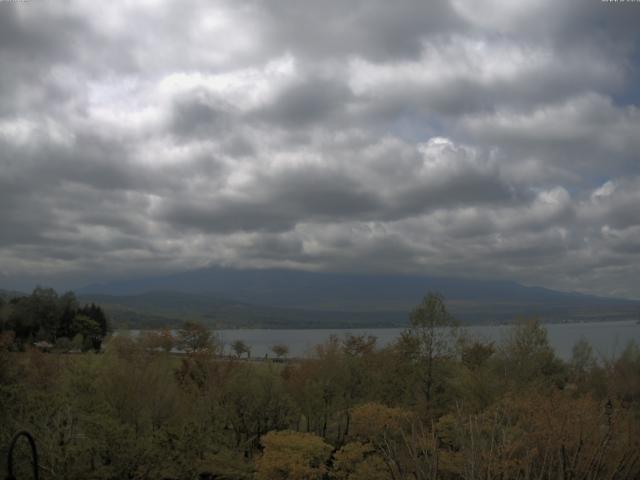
(374, 420)
(359, 461)
(293, 456)
(406, 445)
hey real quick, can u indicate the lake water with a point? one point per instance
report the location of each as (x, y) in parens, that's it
(608, 339)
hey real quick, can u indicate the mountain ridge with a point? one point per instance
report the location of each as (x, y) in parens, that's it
(278, 297)
(238, 281)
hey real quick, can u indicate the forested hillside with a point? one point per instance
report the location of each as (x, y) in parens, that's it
(436, 404)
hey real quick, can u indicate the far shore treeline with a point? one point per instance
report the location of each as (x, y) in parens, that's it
(436, 403)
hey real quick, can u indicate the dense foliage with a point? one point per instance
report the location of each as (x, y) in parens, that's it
(424, 407)
(46, 318)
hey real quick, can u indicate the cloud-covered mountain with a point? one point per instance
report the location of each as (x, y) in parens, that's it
(292, 298)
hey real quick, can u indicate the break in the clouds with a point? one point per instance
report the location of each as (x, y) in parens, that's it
(492, 139)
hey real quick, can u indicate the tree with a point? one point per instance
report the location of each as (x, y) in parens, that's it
(431, 333)
(22, 321)
(4, 307)
(358, 461)
(582, 361)
(8, 367)
(194, 337)
(44, 304)
(475, 353)
(157, 340)
(527, 357)
(359, 345)
(280, 350)
(90, 330)
(388, 431)
(624, 374)
(240, 348)
(166, 340)
(45, 316)
(96, 313)
(255, 402)
(68, 310)
(473, 383)
(292, 456)
(77, 342)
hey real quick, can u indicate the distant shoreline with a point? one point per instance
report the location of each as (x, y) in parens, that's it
(384, 327)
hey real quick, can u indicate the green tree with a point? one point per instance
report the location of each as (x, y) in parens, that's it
(8, 366)
(77, 342)
(255, 401)
(4, 307)
(68, 307)
(63, 344)
(239, 347)
(96, 313)
(280, 350)
(90, 331)
(194, 337)
(474, 354)
(319, 387)
(44, 304)
(22, 321)
(582, 361)
(430, 336)
(527, 358)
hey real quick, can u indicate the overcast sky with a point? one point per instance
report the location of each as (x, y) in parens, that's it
(488, 138)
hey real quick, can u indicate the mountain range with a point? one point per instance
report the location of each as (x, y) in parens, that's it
(277, 298)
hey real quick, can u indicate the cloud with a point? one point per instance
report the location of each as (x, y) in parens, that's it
(305, 102)
(591, 119)
(148, 136)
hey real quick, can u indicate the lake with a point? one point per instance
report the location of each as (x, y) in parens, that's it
(608, 339)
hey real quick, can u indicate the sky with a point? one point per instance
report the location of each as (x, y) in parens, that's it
(485, 138)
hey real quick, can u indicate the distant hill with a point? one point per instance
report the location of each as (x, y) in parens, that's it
(287, 298)
(158, 308)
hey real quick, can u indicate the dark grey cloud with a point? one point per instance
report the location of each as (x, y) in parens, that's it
(305, 102)
(274, 203)
(491, 138)
(198, 119)
(375, 29)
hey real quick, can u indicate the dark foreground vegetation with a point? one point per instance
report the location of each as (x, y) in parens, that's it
(436, 404)
(52, 321)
